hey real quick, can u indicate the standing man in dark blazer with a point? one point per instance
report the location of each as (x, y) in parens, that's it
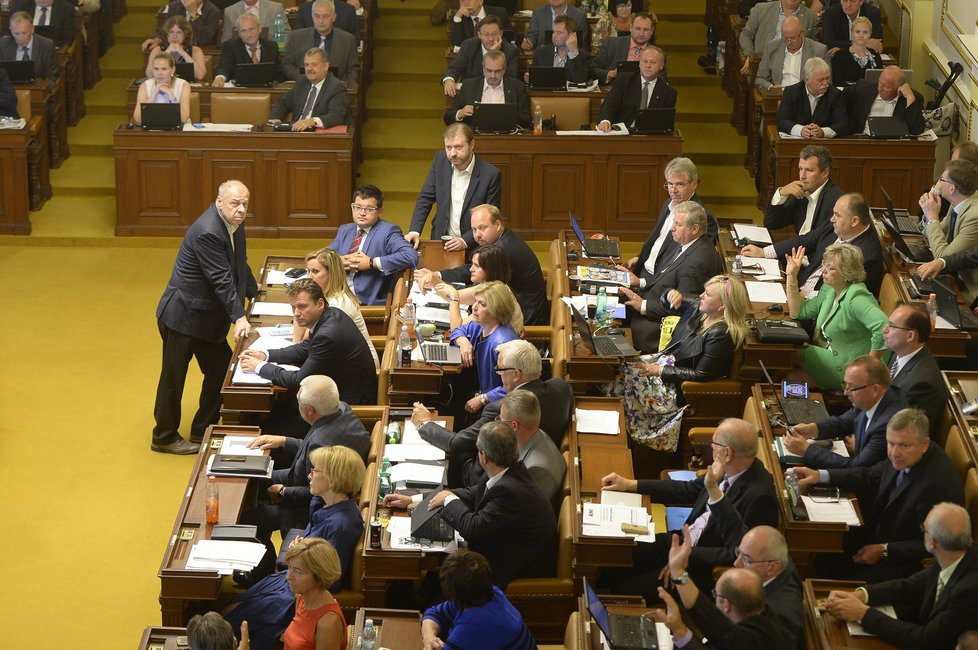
(493, 87)
(470, 14)
(805, 204)
(204, 296)
(892, 85)
(246, 47)
(57, 14)
(457, 181)
(346, 18)
(339, 46)
(637, 91)
(318, 99)
(467, 62)
(39, 49)
(914, 369)
(814, 108)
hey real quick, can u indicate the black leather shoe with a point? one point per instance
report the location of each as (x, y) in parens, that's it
(180, 447)
(706, 60)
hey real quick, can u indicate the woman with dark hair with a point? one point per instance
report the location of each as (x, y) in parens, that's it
(476, 614)
(488, 263)
(180, 38)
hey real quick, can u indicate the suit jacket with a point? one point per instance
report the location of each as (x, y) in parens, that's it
(332, 104)
(42, 54)
(924, 623)
(210, 280)
(205, 25)
(512, 524)
(621, 104)
(526, 280)
(894, 514)
(385, 241)
(792, 212)
(687, 273)
(763, 21)
(61, 17)
(335, 348)
(847, 71)
(669, 244)
(341, 428)
(346, 18)
(344, 62)
(542, 20)
(965, 234)
(577, 68)
(751, 633)
(234, 52)
(467, 62)
(464, 28)
(267, 10)
(613, 51)
(795, 109)
(514, 91)
(965, 264)
(771, 68)
(783, 602)
(816, 241)
(437, 188)
(8, 96)
(835, 25)
(870, 445)
(752, 496)
(859, 100)
(921, 385)
(543, 461)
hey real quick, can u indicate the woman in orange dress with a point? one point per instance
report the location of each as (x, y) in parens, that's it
(318, 623)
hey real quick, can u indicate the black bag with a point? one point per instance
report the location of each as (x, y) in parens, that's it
(781, 331)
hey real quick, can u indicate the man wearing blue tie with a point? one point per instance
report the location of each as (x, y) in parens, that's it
(958, 231)
(863, 427)
(374, 251)
(24, 45)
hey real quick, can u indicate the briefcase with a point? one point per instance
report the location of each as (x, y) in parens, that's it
(781, 331)
(235, 464)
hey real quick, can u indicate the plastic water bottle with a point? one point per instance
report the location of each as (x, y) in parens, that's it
(404, 345)
(385, 486)
(278, 31)
(368, 639)
(212, 506)
(737, 268)
(970, 408)
(409, 314)
(393, 433)
(601, 313)
(932, 310)
(537, 120)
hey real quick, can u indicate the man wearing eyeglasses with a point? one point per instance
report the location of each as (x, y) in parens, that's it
(895, 496)
(958, 231)
(782, 60)
(863, 427)
(374, 251)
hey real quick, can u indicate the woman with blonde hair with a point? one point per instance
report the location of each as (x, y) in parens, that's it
(489, 262)
(325, 267)
(319, 623)
(162, 87)
(180, 37)
(850, 65)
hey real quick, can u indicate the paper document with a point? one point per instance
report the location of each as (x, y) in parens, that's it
(766, 292)
(218, 128)
(855, 629)
(411, 435)
(270, 342)
(401, 453)
(605, 520)
(417, 473)
(400, 531)
(614, 498)
(600, 133)
(597, 421)
(682, 475)
(225, 556)
(943, 324)
(762, 269)
(254, 379)
(841, 512)
(838, 447)
(758, 234)
(274, 277)
(265, 308)
(238, 446)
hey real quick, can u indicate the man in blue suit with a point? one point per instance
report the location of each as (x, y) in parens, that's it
(374, 251)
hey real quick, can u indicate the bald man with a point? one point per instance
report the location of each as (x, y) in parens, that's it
(891, 96)
(764, 551)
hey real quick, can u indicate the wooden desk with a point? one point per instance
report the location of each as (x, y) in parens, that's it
(300, 182)
(72, 62)
(179, 586)
(397, 629)
(15, 190)
(828, 632)
(49, 101)
(161, 638)
(603, 180)
(963, 387)
(596, 97)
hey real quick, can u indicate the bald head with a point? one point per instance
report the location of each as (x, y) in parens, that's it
(791, 33)
(740, 437)
(950, 526)
(744, 591)
(764, 551)
(890, 81)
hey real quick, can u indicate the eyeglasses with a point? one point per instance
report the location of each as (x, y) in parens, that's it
(363, 208)
(717, 444)
(747, 560)
(714, 593)
(897, 327)
(825, 495)
(852, 389)
(500, 371)
(944, 180)
(678, 186)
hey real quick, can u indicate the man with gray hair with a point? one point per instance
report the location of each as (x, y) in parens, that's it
(521, 410)
(264, 12)
(341, 46)
(895, 496)
(814, 108)
(934, 605)
(692, 262)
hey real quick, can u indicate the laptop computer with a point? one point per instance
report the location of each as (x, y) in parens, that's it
(595, 247)
(623, 631)
(888, 128)
(428, 524)
(901, 218)
(615, 345)
(653, 121)
(161, 117)
(947, 308)
(20, 72)
(254, 74)
(796, 410)
(627, 66)
(494, 118)
(441, 353)
(914, 252)
(186, 72)
(544, 77)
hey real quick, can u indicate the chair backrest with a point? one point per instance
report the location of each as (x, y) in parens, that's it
(565, 540)
(533, 4)
(889, 294)
(24, 104)
(571, 639)
(947, 419)
(208, 67)
(195, 107)
(971, 499)
(240, 108)
(957, 452)
(571, 112)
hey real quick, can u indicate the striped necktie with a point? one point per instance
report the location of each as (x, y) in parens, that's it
(355, 244)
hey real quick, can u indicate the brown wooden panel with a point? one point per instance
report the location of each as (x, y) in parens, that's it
(158, 183)
(14, 193)
(559, 184)
(635, 203)
(308, 195)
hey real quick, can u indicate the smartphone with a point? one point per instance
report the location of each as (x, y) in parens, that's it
(799, 390)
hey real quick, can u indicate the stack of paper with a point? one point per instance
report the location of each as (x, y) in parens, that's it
(253, 379)
(265, 308)
(839, 512)
(597, 421)
(605, 520)
(417, 473)
(855, 629)
(766, 292)
(274, 277)
(238, 446)
(401, 453)
(225, 557)
(757, 234)
(411, 435)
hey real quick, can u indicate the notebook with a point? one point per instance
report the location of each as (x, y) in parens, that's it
(796, 409)
(654, 121)
(545, 77)
(494, 118)
(441, 353)
(623, 631)
(603, 346)
(254, 74)
(161, 117)
(186, 72)
(914, 252)
(888, 128)
(594, 247)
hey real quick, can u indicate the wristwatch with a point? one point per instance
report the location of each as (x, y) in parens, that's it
(886, 552)
(681, 580)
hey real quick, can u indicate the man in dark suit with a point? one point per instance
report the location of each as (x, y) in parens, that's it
(745, 483)
(346, 18)
(510, 521)
(863, 426)
(478, 179)
(895, 496)
(340, 46)
(335, 348)
(248, 47)
(204, 18)
(59, 15)
(805, 204)
(892, 96)
(563, 52)
(204, 296)
(467, 62)
(542, 20)
(619, 49)
(934, 606)
(493, 87)
(8, 97)
(24, 45)
(470, 15)
(522, 364)
(318, 100)
(374, 251)
(691, 263)
(814, 108)
(637, 91)
(916, 375)
(836, 21)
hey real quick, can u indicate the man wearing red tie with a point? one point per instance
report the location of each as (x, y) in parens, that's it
(318, 100)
